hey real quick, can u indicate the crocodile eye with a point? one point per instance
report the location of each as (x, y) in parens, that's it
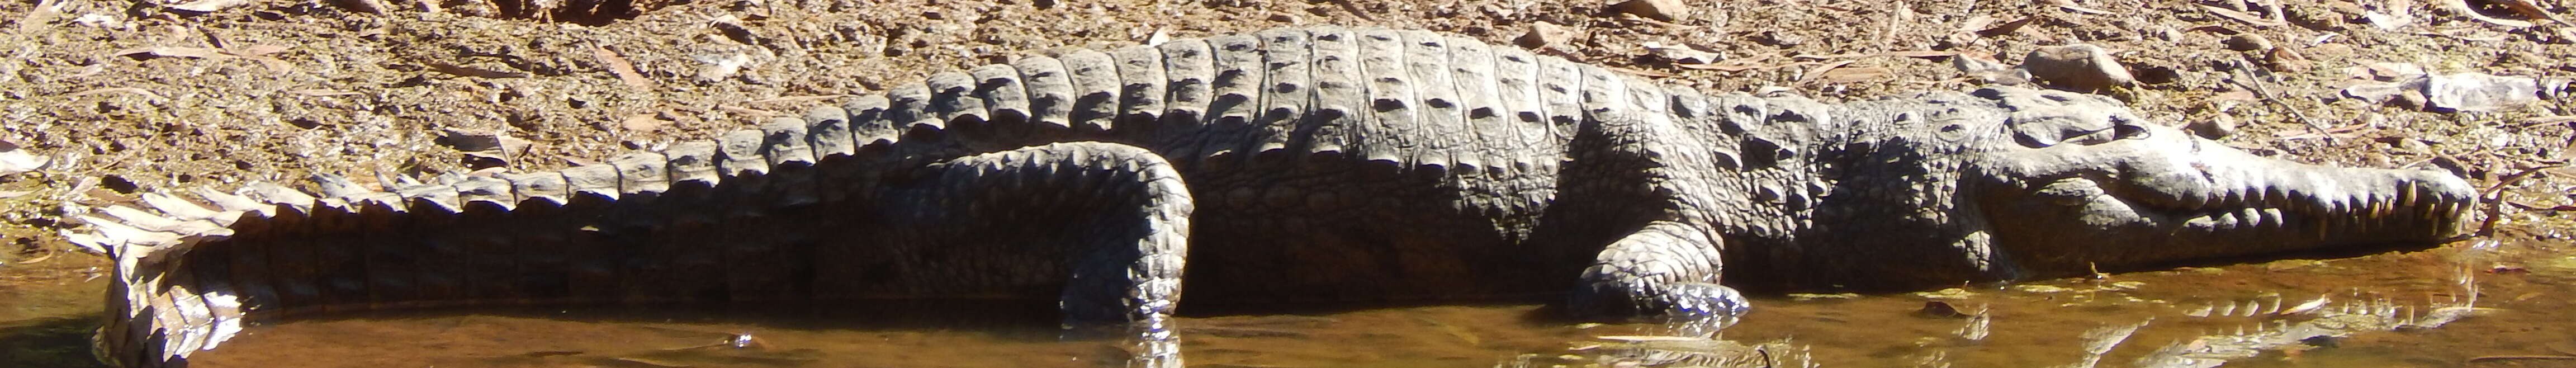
(2129, 131)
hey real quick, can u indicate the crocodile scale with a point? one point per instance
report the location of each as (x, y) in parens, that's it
(1294, 166)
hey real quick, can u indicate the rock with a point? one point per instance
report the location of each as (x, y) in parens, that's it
(2218, 126)
(2473, 92)
(484, 150)
(2285, 60)
(1663, 10)
(2331, 51)
(1989, 71)
(1680, 54)
(14, 160)
(2080, 67)
(2248, 42)
(1543, 34)
(1938, 309)
(1780, 39)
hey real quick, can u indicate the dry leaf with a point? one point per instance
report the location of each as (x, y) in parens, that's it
(1645, 73)
(1921, 54)
(1848, 75)
(257, 50)
(38, 19)
(1821, 70)
(2007, 27)
(625, 70)
(1728, 67)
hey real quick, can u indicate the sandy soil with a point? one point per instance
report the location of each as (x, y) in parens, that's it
(142, 95)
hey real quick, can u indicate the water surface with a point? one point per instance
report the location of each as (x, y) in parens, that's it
(2031, 324)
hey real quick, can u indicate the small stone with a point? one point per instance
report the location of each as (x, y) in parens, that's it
(2248, 42)
(1989, 71)
(14, 160)
(1541, 35)
(2218, 126)
(2081, 67)
(1663, 10)
(2285, 60)
(489, 144)
(2331, 51)
(1780, 39)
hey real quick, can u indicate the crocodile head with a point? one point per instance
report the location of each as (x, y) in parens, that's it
(2072, 182)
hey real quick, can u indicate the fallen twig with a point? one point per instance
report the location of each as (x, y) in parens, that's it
(2533, 207)
(2495, 196)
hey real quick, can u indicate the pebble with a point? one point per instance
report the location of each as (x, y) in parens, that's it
(1541, 35)
(2218, 126)
(2248, 42)
(2082, 67)
(1989, 71)
(1663, 10)
(2285, 60)
(14, 160)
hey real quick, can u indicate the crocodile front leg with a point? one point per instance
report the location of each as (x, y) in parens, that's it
(1645, 175)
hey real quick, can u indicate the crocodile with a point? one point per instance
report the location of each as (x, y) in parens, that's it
(1293, 166)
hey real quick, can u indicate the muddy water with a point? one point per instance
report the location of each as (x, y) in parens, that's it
(2028, 325)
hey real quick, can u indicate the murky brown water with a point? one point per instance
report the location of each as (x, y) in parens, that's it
(2032, 324)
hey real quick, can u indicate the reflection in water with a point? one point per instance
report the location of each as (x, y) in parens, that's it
(2266, 314)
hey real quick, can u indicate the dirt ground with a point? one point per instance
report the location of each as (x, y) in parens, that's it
(142, 95)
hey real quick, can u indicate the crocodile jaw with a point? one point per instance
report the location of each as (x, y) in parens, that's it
(2084, 190)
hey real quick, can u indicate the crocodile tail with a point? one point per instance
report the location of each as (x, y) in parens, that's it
(189, 273)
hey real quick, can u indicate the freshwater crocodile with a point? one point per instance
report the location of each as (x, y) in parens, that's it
(1300, 166)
